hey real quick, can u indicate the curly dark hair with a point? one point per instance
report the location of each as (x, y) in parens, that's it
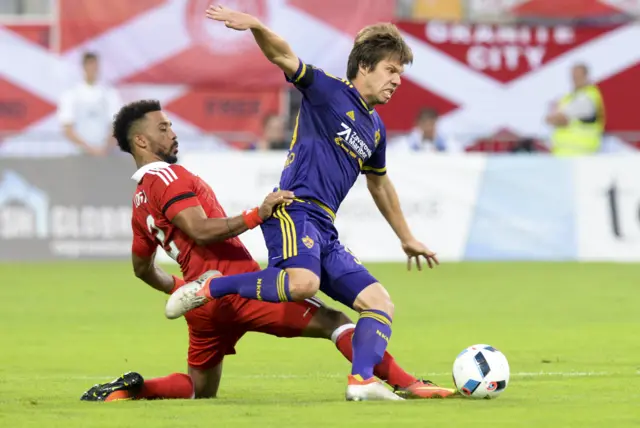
(127, 117)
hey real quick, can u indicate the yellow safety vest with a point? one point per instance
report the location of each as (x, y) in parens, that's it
(579, 137)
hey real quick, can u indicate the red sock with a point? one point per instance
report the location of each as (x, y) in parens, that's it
(176, 385)
(387, 370)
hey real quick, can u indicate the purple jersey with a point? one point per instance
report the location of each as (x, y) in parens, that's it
(337, 137)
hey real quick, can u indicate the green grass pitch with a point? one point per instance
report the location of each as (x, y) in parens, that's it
(570, 332)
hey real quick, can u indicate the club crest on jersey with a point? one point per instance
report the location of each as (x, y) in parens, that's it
(377, 137)
(351, 115)
(308, 242)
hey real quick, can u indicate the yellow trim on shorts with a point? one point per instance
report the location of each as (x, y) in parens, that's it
(289, 236)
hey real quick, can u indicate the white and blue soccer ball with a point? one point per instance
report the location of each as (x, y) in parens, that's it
(481, 371)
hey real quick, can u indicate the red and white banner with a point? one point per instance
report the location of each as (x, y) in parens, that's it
(481, 78)
(487, 78)
(571, 9)
(172, 42)
(211, 78)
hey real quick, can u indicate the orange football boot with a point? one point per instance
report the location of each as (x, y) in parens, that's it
(425, 389)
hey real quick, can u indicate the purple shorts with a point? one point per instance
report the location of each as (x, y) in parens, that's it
(302, 235)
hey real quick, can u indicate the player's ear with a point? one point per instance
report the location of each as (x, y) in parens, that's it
(139, 141)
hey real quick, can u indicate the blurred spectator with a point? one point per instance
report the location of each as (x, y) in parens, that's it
(86, 111)
(425, 136)
(578, 118)
(25, 7)
(273, 135)
(446, 10)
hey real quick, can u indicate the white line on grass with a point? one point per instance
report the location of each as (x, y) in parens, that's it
(63, 377)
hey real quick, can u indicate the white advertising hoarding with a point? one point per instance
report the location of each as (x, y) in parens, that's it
(607, 198)
(437, 193)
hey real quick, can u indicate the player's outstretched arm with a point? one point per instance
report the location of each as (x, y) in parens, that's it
(204, 230)
(274, 47)
(386, 198)
(146, 269)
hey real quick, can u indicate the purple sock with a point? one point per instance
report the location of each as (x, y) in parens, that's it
(270, 285)
(370, 340)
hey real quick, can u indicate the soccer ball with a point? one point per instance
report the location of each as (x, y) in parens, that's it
(481, 371)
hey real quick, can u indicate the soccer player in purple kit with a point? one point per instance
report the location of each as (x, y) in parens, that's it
(338, 135)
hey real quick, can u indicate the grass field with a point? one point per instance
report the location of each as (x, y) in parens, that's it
(571, 333)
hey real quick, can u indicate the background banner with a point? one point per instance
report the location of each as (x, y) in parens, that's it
(438, 196)
(65, 208)
(471, 207)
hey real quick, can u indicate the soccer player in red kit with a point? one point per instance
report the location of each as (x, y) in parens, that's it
(176, 209)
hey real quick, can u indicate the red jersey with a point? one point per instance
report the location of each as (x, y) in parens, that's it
(163, 191)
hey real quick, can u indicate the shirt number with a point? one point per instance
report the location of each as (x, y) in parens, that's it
(160, 236)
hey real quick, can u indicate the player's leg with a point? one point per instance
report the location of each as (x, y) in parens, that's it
(389, 371)
(349, 282)
(209, 342)
(206, 381)
(293, 273)
(311, 318)
(329, 323)
(132, 386)
(288, 235)
(213, 334)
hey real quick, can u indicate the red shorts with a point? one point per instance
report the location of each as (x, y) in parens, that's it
(215, 328)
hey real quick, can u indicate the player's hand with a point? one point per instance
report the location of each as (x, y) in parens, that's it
(232, 18)
(272, 200)
(415, 250)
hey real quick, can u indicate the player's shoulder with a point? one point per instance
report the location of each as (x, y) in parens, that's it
(164, 174)
(324, 78)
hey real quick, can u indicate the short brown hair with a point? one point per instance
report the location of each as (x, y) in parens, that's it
(427, 113)
(375, 43)
(89, 56)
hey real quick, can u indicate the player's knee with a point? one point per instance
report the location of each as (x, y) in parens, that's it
(374, 297)
(302, 283)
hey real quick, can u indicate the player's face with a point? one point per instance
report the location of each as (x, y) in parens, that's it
(383, 80)
(579, 76)
(162, 141)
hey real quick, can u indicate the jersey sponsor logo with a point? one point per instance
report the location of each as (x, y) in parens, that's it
(308, 242)
(351, 115)
(167, 175)
(140, 198)
(354, 144)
